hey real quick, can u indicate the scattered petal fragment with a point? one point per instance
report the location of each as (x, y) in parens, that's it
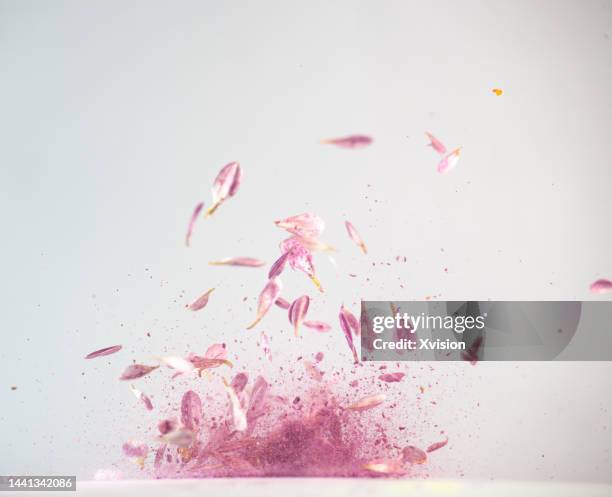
(436, 446)
(104, 351)
(181, 437)
(601, 286)
(354, 235)
(297, 311)
(352, 141)
(449, 162)
(239, 261)
(200, 302)
(391, 377)
(180, 364)
(194, 217)
(436, 144)
(191, 410)
(414, 455)
(282, 303)
(267, 297)
(238, 413)
(368, 402)
(226, 185)
(142, 397)
(346, 327)
(264, 343)
(318, 326)
(135, 371)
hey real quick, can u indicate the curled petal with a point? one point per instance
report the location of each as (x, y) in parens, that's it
(354, 235)
(104, 351)
(278, 266)
(318, 326)
(238, 413)
(414, 455)
(449, 162)
(346, 328)
(436, 446)
(201, 302)
(300, 259)
(239, 261)
(297, 312)
(391, 377)
(226, 185)
(385, 467)
(601, 286)
(305, 225)
(216, 351)
(264, 343)
(191, 410)
(267, 297)
(367, 402)
(282, 303)
(181, 437)
(194, 217)
(352, 141)
(239, 382)
(136, 371)
(436, 144)
(142, 397)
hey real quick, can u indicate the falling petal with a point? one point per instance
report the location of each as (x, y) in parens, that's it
(313, 371)
(191, 410)
(194, 217)
(352, 141)
(300, 259)
(136, 371)
(216, 351)
(201, 302)
(202, 363)
(178, 363)
(346, 328)
(449, 162)
(181, 437)
(264, 343)
(391, 377)
(258, 397)
(297, 311)
(267, 297)
(239, 261)
(278, 266)
(601, 286)
(318, 326)
(385, 467)
(103, 352)
(413, 455)
(239, 382)
(315, 245)
(142, 397)
(436, 446)
(135, 449)
(351, 320)
(226, 185)
(238, 413)
(354, 235)
(436, 144)
(305, 225)
(282, 303)
(367, 402)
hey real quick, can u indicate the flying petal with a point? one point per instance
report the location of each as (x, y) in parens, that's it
(354, 235)
(226, 185)
(267, 297)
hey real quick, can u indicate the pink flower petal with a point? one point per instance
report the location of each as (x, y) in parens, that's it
(178, 363)
(601, 286)
(313, 370)
(297, 311)
(181, 437)
(267, 297)
(354, 235)
(305, 225)
(385, 467)
(216, 351)
(200, 302)
(167, 425)
(191, 410)
(278, 266)
(226, 185)
(351, 320)
(136, 371)
(142, 397)
(282, 303)
(136, 449)
(368, 402)
(347, 329)
(391, 377)
(300, 259)
(238, 413)
(352, 141)
(413, 455)
(436, 144)
(239, 261)
(264, 343)
(104, 351)
(194, 217)
(436, 446)
(239, 382)
(258, 398)
(449, 162)
(317, 326)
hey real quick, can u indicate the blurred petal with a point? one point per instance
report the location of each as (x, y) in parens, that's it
(238, 413)
(194, 217)
(601, 286)
(216, 351)
(305, 225)
(413, 455)
(264, 343)
(449, 162)
(435, 143)
(354, 235)
(239, 261)
(267, 297)
(436, 446)
(313, 370)
(239, 382)
(391, 377)
(282, 303)
(201, 302)
(181, 437)
(178, 363)
(136, 371)
(385, 467)
(104, 351)
(352, 141)
(297, 311)
(135, 449)
(191, 410)
(368, 402)
(226, 185)
(142, 397)
(348, 332)
(318, 326)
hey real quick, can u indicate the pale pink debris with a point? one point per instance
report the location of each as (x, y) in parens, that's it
(135, 449)
(135, 371)
(142, 397)
(282, 303)
(385, 467)
(297, 312)
(305, 225)
(413, 455)
(318, 326)
(300, 258)
(368, 402)
(391, 377)
(200, 302)
(238, 412)
(267, 297)
(352, 141)
(191, 410)
(181, 437)
(449, 162)
(194, 217)
(226, 185)
(264, 343)
(348, 333)
(436, 144)
(601, 286)
(355, 236)
(437, 445)
(239, 261)
(313, 370)
(105, 351)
